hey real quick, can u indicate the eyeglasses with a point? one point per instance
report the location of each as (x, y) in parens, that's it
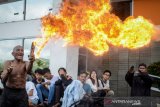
(142, 68)
(106, 74)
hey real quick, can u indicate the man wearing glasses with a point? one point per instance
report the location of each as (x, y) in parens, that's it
(104, 84)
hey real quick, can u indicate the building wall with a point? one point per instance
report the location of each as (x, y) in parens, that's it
(147, 8)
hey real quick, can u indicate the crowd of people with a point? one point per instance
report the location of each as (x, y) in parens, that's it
(45, 89)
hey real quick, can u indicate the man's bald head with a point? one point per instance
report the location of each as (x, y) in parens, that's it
(18, 53)
(17, 47)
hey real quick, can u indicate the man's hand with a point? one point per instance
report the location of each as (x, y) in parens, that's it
(45, 84)
(131, 69)
(48, 83)
(10, 68)
(69, 77)
(31, 58)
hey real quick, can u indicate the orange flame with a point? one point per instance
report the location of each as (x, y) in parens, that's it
(89, 23)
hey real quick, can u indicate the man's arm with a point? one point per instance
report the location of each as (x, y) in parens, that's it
(30, 88)
(31, 59)
(29, 66)
(30, 92)
(6, 71)
(66, 80)
(129, 76)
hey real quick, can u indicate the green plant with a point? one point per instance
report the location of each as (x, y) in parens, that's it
(154, 68)
(1, 67)
(40, 63)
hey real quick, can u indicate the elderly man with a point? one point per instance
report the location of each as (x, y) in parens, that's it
(14, 77)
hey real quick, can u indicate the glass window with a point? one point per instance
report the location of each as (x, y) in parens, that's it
(81, 63)
(82, 60)
(11, 11)
(82, 51)
(6, 47)
(6, 1)
(41, 62)
(39, 8)
(122, 9)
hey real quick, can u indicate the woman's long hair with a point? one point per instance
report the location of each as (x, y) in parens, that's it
(93, 81)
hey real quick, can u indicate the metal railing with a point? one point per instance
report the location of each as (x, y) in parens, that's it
(156, 83)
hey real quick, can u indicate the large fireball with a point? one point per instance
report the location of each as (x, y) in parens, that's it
(90, 24)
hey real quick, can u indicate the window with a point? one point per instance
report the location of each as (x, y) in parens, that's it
(6, 1)
(122, 9)
(11, 11)
(82, 61)
(39, 8)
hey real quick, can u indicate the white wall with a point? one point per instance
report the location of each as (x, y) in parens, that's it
(72, 61)
(31, 28)
(58, 56)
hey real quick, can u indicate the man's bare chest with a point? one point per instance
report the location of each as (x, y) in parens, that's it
(19, 69)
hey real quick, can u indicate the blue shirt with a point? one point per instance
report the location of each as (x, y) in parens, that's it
(87, 88)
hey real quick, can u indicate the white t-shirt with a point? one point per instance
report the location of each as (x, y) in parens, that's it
(104, 85)
(29, 87)
(93, 86)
